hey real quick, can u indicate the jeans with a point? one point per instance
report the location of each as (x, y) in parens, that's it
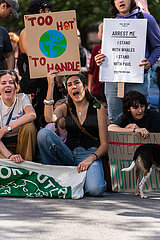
(114, 103)
(54, 152)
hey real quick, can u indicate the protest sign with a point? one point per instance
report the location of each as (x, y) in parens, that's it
(143, 5)
(121, 150)
(52, 43)
(29, 179)
(123, 43)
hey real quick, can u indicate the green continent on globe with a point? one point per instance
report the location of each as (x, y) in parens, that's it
(52, 43)
(46, 37)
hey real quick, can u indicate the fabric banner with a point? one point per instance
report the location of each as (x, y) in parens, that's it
(121, 150)
(29, 179)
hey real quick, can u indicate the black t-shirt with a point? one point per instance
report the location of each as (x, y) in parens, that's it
(5, 45)
(75, 135)
(150, 121)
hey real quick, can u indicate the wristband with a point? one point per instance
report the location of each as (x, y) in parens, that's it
(10, 156)
(134, 129)
(48, 102)
(96, 156)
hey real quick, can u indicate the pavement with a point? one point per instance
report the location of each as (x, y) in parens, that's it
(114, 216)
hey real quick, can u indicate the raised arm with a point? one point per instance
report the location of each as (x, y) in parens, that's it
(49, 114)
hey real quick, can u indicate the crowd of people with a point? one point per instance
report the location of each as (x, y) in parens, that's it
(75, 109)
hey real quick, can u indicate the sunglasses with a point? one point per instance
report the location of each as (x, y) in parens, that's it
(7, 71)
(11, 72)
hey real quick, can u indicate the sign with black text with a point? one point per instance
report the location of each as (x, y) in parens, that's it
(123, 43)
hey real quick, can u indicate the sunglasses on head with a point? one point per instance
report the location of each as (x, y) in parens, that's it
(7, 71)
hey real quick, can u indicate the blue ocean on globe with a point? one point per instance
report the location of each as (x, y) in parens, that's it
(52, 43)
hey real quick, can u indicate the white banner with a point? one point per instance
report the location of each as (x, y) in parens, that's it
(123, 43)
(29, 179)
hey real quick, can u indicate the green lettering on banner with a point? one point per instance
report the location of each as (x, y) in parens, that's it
(120, 182)
(112, 165)
(24, 183)
(123, 175)
(157, 177)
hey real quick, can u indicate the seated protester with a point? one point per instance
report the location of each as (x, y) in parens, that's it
(17, 132)
(86, 125)
(136, 117)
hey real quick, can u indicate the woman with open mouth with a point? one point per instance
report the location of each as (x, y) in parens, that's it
(17, 132)
(128, 9)
(86, 125)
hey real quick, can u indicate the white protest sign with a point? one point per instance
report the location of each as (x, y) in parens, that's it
(123, 43)
(52, 43)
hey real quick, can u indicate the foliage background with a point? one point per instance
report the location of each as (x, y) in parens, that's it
(89, 12)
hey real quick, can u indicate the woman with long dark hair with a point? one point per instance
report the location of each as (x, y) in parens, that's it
(86, 125)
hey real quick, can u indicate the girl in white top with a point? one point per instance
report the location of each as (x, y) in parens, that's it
(15, 111)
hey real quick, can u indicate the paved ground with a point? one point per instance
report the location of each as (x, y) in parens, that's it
(114, 216)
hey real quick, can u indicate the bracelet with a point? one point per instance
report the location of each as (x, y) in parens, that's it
(48, 102)
(10, 156)
(96, 156)
(134, 129)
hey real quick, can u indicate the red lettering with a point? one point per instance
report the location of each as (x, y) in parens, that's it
(64, 66)
(35, 61)
(32, 19)
(50, 68)
(66, 25)
(70, 66)
(71, 22)
(48, 20)
(59, 26)
(40, 21)
(42, 61)
(77, 66)
(57, 67)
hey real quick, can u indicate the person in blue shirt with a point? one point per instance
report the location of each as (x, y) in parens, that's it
(127, 9)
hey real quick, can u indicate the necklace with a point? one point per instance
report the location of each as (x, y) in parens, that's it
(79, 114)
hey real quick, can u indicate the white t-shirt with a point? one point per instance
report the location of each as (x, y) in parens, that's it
(22, 101)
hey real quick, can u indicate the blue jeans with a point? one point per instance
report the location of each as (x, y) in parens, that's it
(54, 152)
(114, 103)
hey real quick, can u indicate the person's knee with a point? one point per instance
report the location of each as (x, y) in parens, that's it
(96, 190)
(46, 136)
(28, 129)
(42, 135)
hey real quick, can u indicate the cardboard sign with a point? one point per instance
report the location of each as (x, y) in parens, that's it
(52, 43)
(123, 44)
(121, 150)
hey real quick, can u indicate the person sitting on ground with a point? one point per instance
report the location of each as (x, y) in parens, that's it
(17, 132)
(86, 125)
(136, 117)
